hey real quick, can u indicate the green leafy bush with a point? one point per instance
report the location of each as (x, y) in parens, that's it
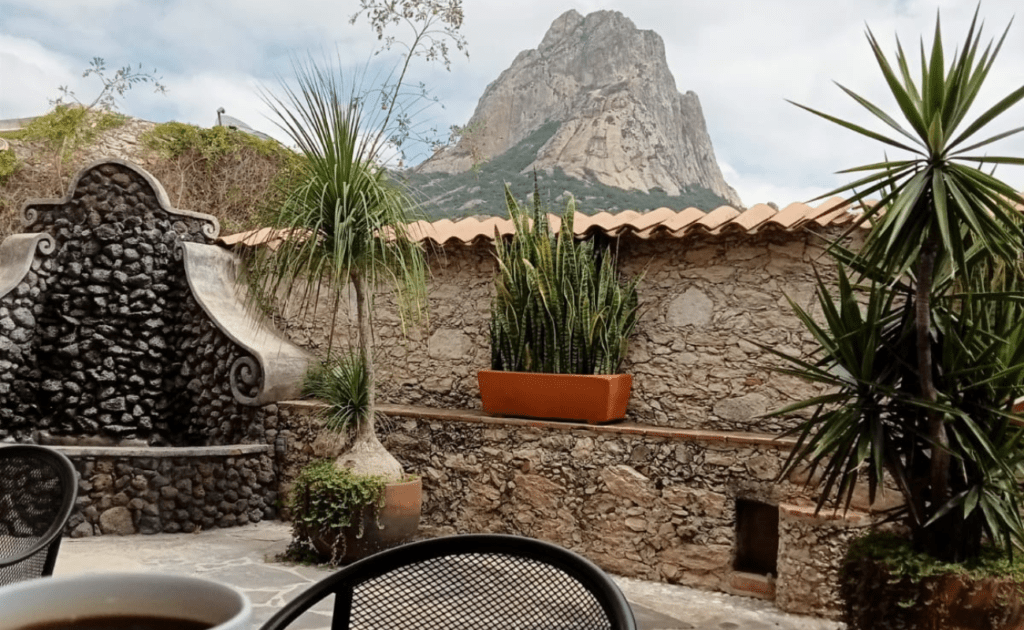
(326, 498)
(8, 164)
(902, 561)
(559, 306)
(67, 128)
(174, 139)
(886, 584)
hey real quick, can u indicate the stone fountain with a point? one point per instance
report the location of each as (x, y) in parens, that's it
(126, 341)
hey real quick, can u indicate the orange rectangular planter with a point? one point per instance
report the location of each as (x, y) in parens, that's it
(595, 398)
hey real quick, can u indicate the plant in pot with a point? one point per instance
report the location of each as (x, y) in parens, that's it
(560, 322)
(337, 514)
(346, 218)
(921, 352)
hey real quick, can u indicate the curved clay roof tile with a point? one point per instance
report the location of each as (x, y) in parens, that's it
(659, 222)
(718, 217)
(751, 218)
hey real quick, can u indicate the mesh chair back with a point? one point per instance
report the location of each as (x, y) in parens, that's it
(38, 487)
(485, 582)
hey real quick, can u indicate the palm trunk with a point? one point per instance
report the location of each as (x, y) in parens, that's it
(367, 456)
(364, 321)
(936, 542)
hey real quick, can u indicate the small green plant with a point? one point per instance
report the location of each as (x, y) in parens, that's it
(114, 86)
(345, 385)
(902, 561)
(559, 306)
(8, 164)
(325, 499)
(67, 128)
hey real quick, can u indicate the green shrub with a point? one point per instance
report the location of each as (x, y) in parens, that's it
(898, 555)
(66, 128)
(235, 176)
(325, 499)
(8, 164)
(172, 140)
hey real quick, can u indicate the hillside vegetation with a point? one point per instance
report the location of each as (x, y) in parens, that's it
(481, 190)
(236, 177)
(229, 174)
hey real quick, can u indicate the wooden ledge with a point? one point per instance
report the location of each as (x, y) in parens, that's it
(476, 416)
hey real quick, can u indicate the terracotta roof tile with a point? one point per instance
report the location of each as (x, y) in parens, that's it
(681, 223)
(790, 216)
(268, 237)
(753, 217)
(656, 223)
(716, 218)
(832, 210)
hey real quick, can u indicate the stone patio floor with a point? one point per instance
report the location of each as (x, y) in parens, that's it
(244, 557)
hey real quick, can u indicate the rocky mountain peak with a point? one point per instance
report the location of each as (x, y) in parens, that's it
(620, 119)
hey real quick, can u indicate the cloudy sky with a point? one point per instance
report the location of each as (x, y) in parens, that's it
(743, 58)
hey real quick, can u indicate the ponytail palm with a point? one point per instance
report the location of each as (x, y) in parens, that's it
(347, 222)
(924, 363)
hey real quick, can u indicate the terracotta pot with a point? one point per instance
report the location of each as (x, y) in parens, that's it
(943, 602)
(395, 524)
(595, 398)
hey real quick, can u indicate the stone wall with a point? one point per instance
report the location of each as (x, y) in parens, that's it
(640, 501)
(20, 375)
(707, 302)
(813, 547)
(166, 490)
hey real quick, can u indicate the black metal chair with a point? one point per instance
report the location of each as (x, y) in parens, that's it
(38, 487)
(478, 581)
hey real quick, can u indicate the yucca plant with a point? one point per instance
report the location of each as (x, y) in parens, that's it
(559, 306)
(923, 360)
(344, 384)
(347, 221)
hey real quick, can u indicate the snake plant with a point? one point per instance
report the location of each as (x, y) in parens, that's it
(559, 305)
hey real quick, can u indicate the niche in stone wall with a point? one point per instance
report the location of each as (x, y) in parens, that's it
(757, 537)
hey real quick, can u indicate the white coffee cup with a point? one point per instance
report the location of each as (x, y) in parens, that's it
(53, 599)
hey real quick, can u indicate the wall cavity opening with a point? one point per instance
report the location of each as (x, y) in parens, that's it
(757, 537)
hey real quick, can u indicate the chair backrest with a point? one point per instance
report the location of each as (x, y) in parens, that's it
(477, 581)
(38, 487)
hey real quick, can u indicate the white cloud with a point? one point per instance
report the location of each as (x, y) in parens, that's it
(29, 76)
(744, 58)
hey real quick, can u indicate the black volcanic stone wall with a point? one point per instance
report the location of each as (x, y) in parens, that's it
(138, 493)
(104, 338)
(20, 379)
(204, 379)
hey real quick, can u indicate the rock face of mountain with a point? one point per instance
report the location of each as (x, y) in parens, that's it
(621, 120)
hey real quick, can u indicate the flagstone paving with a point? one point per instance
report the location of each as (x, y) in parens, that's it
(245, 557)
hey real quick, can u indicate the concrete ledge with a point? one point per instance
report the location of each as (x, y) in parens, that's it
(163, 452)
(835, 517)
(751, 585)
(727, 438)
